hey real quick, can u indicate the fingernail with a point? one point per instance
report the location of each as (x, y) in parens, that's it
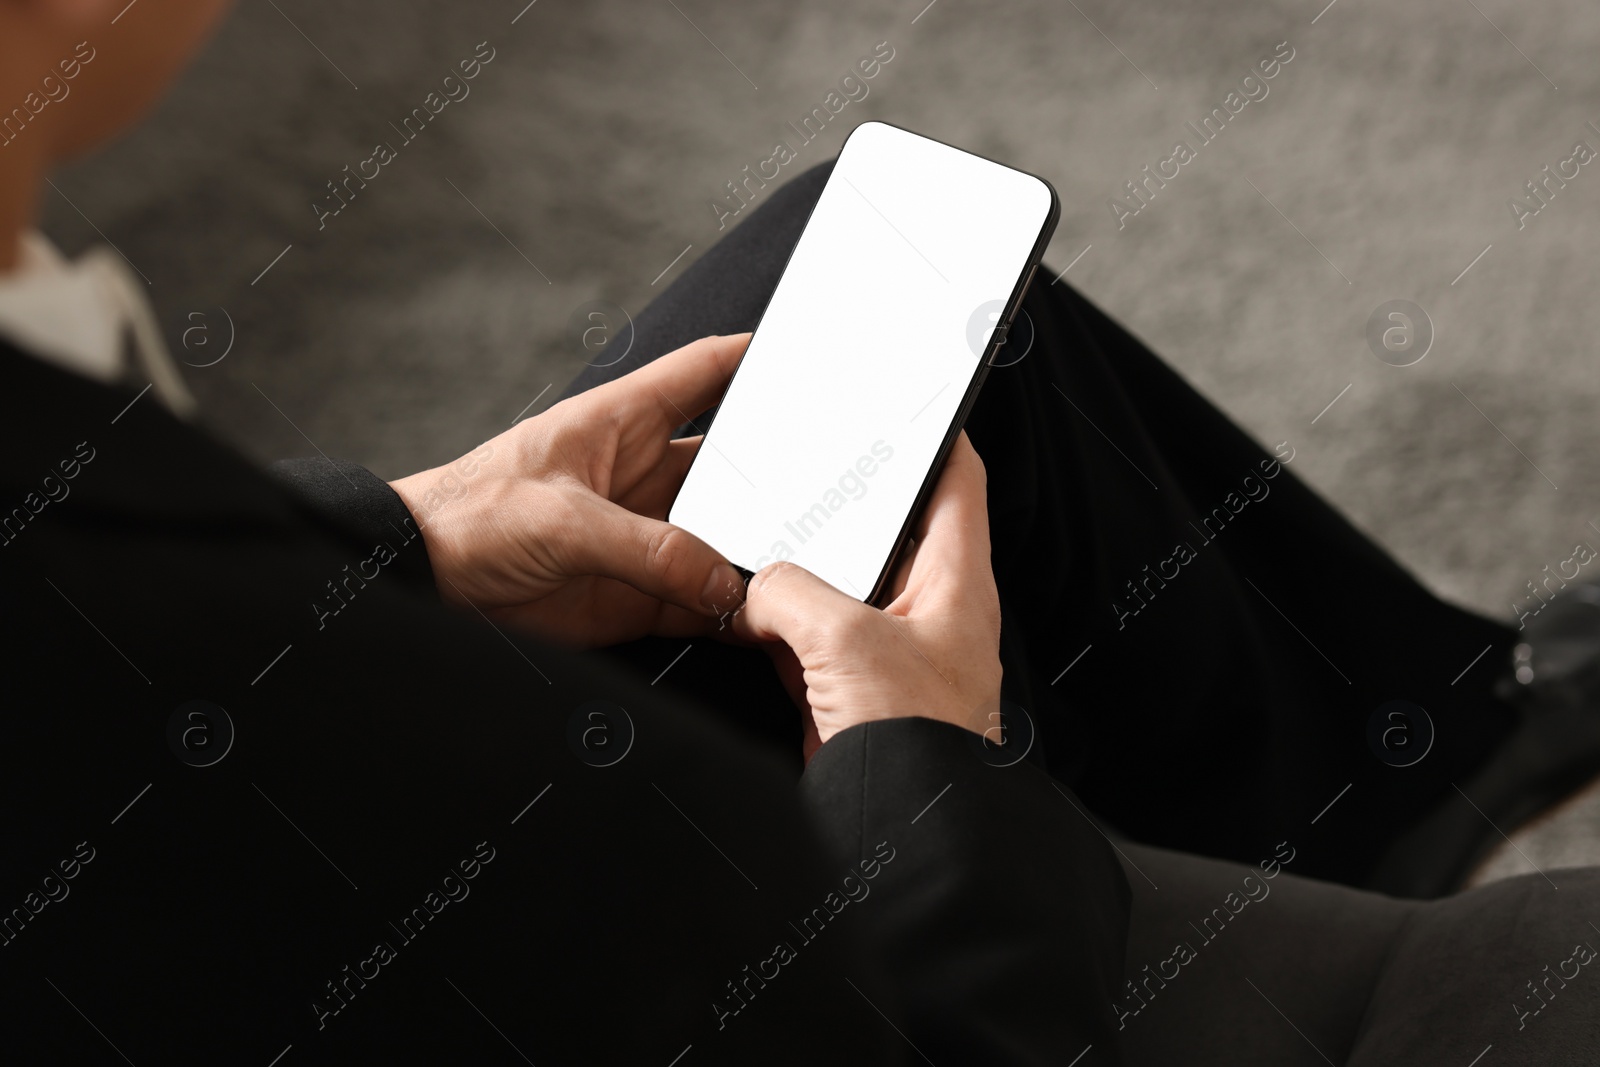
(724, 590)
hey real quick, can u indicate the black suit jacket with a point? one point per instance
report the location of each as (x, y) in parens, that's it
(241, 825)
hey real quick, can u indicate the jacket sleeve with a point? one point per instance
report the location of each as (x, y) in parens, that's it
(997, 911)
(359, 504)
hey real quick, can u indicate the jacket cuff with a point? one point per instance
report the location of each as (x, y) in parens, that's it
(363, 506)
(999, 909)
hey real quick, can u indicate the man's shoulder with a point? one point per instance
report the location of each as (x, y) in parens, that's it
(115, 450)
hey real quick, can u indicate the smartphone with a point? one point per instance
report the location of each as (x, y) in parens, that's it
(867, 359)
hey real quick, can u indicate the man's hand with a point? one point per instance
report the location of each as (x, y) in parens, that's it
(932, 652)
(556, 525)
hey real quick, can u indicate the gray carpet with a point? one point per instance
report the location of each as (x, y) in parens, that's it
(425, 316)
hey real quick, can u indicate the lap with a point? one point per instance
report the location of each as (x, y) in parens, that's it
(1187, 710)
(1220, 949)
(1292, 970)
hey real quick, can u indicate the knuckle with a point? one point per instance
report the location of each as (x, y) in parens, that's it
(669, 554)
(772, 577)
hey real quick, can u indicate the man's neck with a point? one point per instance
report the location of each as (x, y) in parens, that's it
(23, 157)
(18, 192)
(21, 177)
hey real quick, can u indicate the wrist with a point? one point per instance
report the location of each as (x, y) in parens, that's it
(976, 720)
(428, 492)
(411, 490)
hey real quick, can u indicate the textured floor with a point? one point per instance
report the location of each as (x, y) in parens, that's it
(1565, 836)
(433, 309)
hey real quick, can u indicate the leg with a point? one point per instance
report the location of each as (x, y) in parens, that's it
(725, 290)
(1240, 633)
(1228, 966)
(1220, 949)
(1236, 633)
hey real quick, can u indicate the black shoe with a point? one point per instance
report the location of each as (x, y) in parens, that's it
(1554, 680)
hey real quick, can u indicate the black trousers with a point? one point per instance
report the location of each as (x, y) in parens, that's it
(1227, 966)
(1209, 651)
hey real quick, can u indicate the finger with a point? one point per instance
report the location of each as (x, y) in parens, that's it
(654, 557)
(596, 612)
(953, 562)
(653, 494)
(675, 388)
(788, 603)
(902, 570)
(954, 530)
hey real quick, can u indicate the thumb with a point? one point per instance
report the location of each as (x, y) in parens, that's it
(788, 603)
(656, 558)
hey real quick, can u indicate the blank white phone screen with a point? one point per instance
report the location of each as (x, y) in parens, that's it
(861, 361)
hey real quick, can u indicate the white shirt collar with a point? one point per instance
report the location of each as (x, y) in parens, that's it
(64, 313)
(76, 314)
